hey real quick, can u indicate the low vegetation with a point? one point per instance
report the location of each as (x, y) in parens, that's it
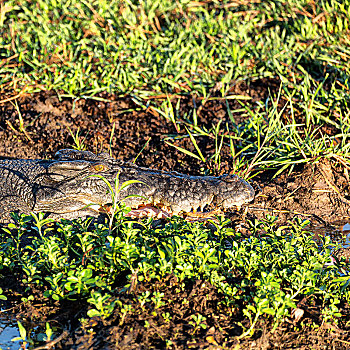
(265, 274)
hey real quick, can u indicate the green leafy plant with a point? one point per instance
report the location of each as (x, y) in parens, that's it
(104, 306)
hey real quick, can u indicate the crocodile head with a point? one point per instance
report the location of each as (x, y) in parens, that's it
(78, 181)
(72, 182)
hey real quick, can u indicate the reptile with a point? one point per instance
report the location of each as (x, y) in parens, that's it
(75, 184)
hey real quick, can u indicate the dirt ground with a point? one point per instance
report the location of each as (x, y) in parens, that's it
(319, 192)
(320, 189)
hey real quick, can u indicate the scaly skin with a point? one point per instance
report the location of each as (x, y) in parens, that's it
(67, 188)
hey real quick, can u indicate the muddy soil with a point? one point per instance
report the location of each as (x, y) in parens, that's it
(125, 129)
(318, 191)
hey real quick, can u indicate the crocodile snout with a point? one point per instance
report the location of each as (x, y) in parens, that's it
(233, 191)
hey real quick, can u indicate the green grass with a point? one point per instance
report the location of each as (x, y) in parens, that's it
(80, 48)
(166, 49)
(273, 136)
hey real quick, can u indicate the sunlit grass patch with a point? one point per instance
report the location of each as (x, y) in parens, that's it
(290, 128)
(157, 52)
(156, 47)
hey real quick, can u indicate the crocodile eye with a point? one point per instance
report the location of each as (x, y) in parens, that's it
(99, 167)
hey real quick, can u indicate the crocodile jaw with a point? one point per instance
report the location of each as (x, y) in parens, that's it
(78, 180)
(183, 196)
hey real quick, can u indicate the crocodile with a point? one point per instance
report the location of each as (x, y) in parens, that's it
(75, 184)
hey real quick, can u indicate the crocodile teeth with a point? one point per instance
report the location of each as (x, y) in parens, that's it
(148, 211)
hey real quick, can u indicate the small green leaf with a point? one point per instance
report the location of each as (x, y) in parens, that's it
(22, 330)
(93, 313)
